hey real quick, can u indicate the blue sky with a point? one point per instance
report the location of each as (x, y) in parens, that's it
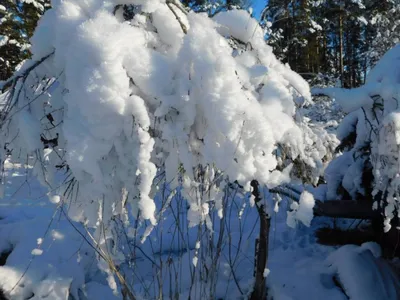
(258, 6)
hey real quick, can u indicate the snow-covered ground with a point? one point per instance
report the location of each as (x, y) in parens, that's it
(143, 131)
(51, 258)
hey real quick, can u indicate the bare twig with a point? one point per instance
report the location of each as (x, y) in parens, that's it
(183, 26)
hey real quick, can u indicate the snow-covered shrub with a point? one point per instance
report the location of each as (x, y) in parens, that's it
(127, 97)
(369, 164)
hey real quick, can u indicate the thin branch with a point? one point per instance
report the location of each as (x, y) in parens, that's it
(25, 73)
(183, 26)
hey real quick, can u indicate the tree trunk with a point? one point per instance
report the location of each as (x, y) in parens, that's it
(261, 249)
(341, 46)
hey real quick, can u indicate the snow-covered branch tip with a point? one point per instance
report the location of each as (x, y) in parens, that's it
(23, 73)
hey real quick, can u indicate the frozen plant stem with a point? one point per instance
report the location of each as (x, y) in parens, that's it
(183, 26)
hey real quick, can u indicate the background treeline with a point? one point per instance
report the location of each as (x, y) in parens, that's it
(18, 19)
(326, 41)
(339, 40)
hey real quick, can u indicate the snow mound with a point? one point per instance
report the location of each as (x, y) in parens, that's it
(362, 275)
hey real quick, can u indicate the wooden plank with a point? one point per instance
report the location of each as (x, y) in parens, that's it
(349, 209)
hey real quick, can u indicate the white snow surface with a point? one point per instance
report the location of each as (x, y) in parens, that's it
(296, 263)
(52, 266)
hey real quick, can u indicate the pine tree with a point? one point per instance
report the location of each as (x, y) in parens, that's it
(214, 6)
(18, 20)
(294, 34)
(382, 32)
(340, 39)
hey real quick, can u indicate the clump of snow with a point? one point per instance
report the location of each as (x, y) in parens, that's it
(252, 200)
(238, 24)
(195, 259)
(55, 199)
(303, 211)
(37, 251)
(266, 272)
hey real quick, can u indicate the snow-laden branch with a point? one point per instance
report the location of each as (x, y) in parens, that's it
(23, 72)
(143, 97)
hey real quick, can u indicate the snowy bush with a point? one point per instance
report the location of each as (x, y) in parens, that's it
(369, 164)
(127, 97)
